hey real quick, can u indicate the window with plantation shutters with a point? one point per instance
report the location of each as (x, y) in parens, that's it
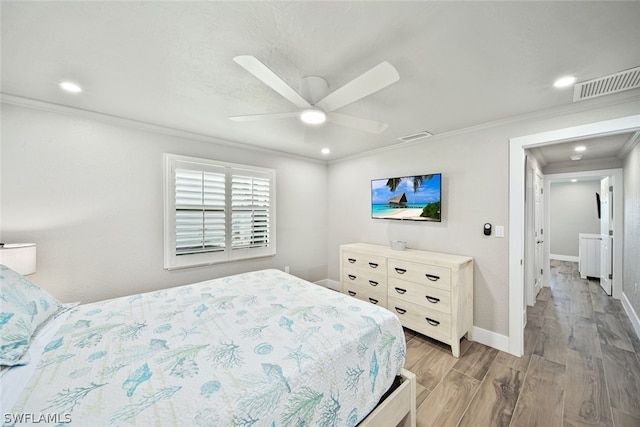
(250, 219)
(200, 211)
(216, 212)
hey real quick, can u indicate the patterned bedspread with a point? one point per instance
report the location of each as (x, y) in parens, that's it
(263, 349)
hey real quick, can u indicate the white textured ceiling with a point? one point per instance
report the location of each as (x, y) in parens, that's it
(607, 147)
(600, 153)
(171, 63)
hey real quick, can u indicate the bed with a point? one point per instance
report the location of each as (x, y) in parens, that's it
(263, 348)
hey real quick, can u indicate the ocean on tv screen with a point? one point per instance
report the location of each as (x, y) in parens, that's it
(410, 198)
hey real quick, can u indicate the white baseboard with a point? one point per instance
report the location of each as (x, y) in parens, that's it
(492, 339)
(633, 316)
(331, 284)
(564, 257)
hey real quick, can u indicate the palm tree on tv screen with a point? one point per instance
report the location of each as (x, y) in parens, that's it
(393, 183)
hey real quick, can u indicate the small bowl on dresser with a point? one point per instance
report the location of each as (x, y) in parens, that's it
(398, 245)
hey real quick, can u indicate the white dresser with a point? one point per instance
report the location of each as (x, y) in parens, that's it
(430, 292)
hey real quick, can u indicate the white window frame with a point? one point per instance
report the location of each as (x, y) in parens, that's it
(174, 261)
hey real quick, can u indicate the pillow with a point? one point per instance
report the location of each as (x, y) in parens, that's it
(24, 307)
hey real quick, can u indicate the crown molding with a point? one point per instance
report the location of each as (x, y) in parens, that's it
(141, 125)
(629, 145)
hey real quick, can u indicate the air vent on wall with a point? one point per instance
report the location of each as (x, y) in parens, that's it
(415, 136)
(618, 82)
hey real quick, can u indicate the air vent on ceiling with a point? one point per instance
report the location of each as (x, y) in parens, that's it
(415, 136)
(618, 82)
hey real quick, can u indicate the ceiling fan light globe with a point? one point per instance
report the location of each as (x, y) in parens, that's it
(313, 116)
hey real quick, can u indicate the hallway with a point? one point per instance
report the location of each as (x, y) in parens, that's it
(581, 366)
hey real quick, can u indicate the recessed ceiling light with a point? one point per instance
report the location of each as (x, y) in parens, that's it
(313, 116)
(574, 180)
(576, 157)
(325, 151)
(71, 87)
(580, 148)
(564, 81)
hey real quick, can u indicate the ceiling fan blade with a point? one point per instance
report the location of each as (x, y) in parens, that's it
(271, 79)
(379, 77)
(365, 125)
(252, 117)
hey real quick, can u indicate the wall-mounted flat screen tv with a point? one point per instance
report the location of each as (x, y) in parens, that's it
(408, 198)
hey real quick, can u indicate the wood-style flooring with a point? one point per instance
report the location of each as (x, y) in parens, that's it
(581, 366)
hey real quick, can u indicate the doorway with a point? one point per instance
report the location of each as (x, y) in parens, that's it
(517, 162)
(584, 220)
(614, 210)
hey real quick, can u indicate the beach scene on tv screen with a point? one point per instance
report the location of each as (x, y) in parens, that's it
(414, 198)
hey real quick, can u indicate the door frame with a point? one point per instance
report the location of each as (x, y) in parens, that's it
(517, 147)
(616, 176)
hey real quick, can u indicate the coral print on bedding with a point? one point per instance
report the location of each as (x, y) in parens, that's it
(262, 348)
(24, 308)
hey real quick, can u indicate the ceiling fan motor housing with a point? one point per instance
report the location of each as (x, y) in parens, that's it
(313, 88)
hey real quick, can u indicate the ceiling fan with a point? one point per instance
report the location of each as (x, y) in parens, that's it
(316, 105)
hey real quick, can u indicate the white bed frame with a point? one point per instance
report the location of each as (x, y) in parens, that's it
(398, 409)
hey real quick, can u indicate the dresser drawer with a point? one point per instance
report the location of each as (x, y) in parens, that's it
(364, 262)
(365, 294)
(365, 278)
(423, 295)
(418, 318)
(432, 275)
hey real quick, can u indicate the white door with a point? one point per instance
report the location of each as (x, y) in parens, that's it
(530, 241)
(538, 221)
(606, 247)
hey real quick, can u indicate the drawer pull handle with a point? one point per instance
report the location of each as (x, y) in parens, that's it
(351, 260)
(373, 283)
(401, 291)
(400, 270)
(373, 265)
(353, 294)
(351, 276)
(401, 310)
(432, 322)
(432, 277)
(433, 300)
(373, 300)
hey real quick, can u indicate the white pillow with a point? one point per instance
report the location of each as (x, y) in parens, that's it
(24, 307)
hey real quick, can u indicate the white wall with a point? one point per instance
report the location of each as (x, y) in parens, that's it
(89, 193)
(573, 210)
(474, 191)
(631, 279)
(475, 167)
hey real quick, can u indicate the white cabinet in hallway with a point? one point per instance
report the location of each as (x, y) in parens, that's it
(589, 254)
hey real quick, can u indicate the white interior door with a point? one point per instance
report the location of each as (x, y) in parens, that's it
(538, 221)
(538, 229)
(534, 217)
(606, 246)
(530, 241)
